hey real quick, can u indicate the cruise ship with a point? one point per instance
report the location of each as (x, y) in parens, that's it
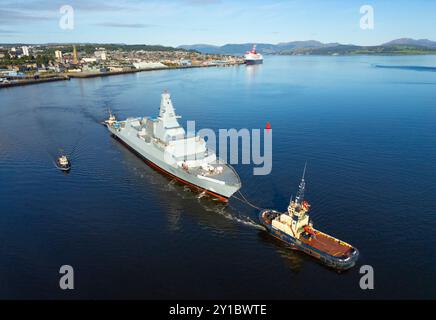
(163, 144)
(252, 57)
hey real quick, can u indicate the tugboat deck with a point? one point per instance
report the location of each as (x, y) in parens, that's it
(328, 244)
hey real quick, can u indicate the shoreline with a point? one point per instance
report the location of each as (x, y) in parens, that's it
(85, 75)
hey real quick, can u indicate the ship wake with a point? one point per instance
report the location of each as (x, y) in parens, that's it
(234, 216)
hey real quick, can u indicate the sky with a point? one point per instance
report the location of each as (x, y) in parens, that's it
(217, 22)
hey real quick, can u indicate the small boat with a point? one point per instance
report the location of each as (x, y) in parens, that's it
(62, 163)
(296, 229)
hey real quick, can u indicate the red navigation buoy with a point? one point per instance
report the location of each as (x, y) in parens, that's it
(268, 126)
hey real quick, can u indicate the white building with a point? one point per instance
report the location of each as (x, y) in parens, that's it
(89, 60)
(185, 62)
(148, 65)
(100, 54)
(58, 55)
(25, 50)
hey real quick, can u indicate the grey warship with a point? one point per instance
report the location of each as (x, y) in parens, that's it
(163, 144)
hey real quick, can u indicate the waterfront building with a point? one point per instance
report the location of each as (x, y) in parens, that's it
(8, 73)
(185, 62)
(89, 60)
(116, 68)
(58, 55)
(25, 50)
(87, 68)
(148, 65)
(100, 54)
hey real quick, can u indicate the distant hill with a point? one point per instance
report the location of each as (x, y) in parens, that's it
(204, 48)
(402, 46)
(362, 50)
(407, 41)
(233, 49)
(267, 48)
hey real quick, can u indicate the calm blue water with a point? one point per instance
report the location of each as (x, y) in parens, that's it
(367, 133)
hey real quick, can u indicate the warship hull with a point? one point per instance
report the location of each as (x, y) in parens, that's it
(154, 156)
(328, 250)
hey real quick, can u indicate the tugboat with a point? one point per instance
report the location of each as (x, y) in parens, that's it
(295, 228)
(62, 163)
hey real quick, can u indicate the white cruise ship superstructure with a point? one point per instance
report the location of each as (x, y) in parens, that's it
(253, 57)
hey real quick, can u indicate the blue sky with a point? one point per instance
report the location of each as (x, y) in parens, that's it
(176, 22)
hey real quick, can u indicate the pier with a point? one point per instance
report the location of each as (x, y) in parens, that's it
(21, 81)
(32, 80)
(113, 73)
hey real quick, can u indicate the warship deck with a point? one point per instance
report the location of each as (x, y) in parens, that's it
(228, 174)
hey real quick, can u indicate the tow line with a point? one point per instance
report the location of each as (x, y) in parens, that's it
(244, 200)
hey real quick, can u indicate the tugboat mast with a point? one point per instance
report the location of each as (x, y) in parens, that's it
(300, 194)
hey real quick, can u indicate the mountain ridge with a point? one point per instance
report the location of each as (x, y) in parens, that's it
(409, 41)
(396, 46)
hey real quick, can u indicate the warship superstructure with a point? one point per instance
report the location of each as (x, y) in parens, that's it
(295, 228)
(163, 144)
